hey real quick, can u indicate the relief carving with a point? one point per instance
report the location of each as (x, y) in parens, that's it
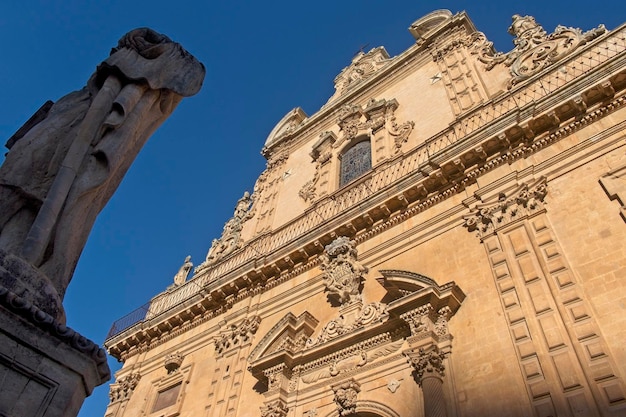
(526, 200)
(534, 49)
(124, 387)
(345, 397)
(353, 120)
(363, 66)
(236, 335)
(343, 274)
(275, 409)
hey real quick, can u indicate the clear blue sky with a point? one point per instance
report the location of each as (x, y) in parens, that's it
(262, 59)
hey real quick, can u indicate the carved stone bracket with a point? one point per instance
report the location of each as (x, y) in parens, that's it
(345, 396)
(524, 201)
(534, 48)
(173, 362)
(236, 335)
(124, 387)
(276, 408)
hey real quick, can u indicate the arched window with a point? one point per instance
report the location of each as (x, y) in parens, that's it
(356, 161)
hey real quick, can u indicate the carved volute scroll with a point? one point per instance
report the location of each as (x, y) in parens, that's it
(427, 362)
(534, 48)
(343, 274)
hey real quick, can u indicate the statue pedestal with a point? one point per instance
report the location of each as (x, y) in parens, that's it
(46, 369)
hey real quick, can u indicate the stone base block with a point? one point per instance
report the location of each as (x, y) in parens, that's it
(46, 369)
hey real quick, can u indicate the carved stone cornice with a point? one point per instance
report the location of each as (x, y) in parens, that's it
(526, 200)
(46, 323)
(123, 388)
(345, 396)
(534, 48)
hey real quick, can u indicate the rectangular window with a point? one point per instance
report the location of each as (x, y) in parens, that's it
(167, 397)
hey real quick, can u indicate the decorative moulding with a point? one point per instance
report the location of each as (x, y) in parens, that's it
(346, 345)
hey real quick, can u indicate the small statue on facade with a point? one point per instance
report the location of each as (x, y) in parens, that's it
(183, 272)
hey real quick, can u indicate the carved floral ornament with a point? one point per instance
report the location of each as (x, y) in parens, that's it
(526, 200)
(236, 335)
(231, 234)
(354, 120)
(427, 363)
(534, 48)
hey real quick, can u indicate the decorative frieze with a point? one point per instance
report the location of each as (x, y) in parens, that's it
(534, 48)
(346, 397)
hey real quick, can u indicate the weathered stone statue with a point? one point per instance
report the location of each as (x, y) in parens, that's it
(59, 174)
(181, 275)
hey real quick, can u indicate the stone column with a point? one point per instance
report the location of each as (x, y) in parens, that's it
(429, 371)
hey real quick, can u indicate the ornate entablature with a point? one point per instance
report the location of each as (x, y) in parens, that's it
(355, 121)
(363, 66)
(534, 48)
(364, 336)
(486, 218)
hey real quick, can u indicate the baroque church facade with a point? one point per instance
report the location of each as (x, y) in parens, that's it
(445, 237)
